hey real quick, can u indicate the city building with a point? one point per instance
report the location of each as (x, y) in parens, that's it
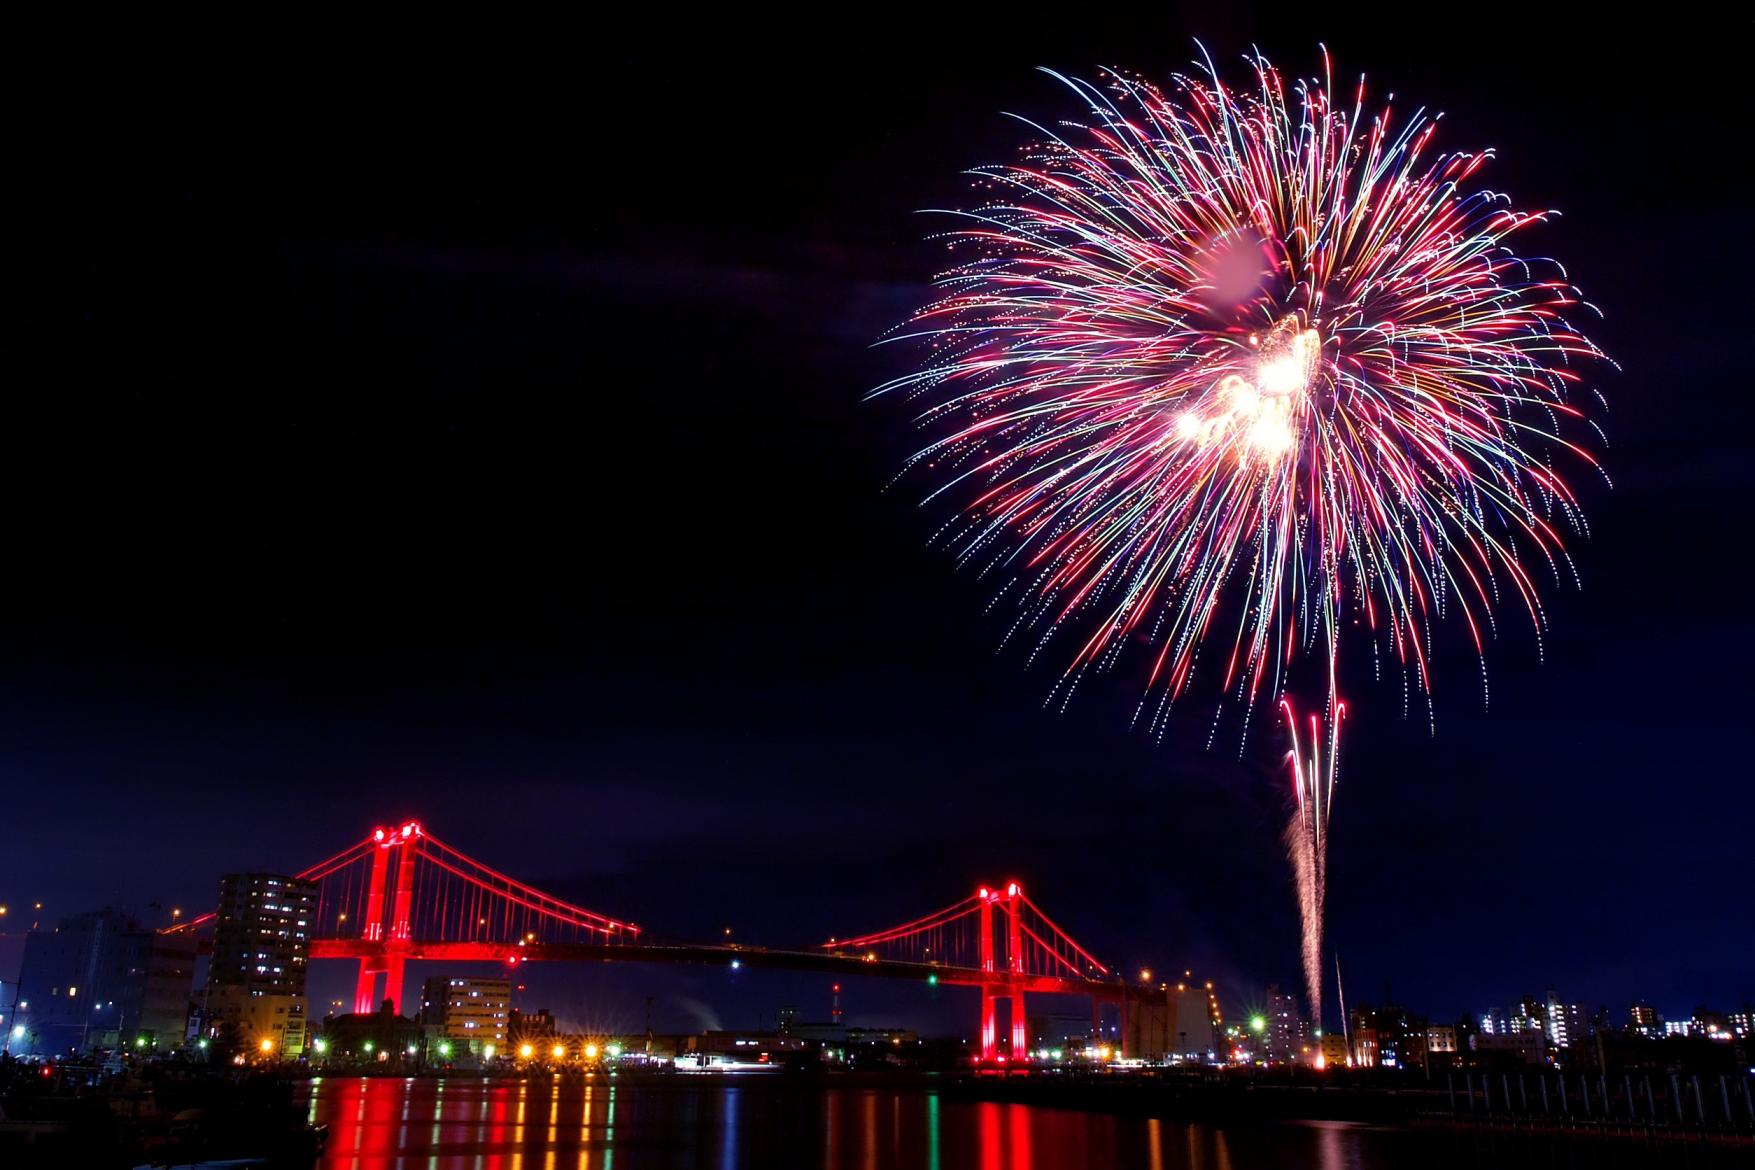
(733, 1049)
(1527, 1015)
(1149, 1034)
(1064, 1031)
(1566, 1024)
(373, 1039)
(1194, 1022)
(1182, 1027)
(169, 986)
(1388, 1037)
(261, 954)
(819, 1032)
(529, 1027)
(1363, 1053)
(102, 980)
(1287, 1033)
(1715, 1025)
(1527, 1046)
(1645, 1020)
(471, 1013)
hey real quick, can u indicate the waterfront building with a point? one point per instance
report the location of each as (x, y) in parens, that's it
(472, 1013)
(1334, 1050)
(377, 1039)
(1388, 1037)
(261, 954)
(1194, 1022)
(102, 980)
(529, 1027)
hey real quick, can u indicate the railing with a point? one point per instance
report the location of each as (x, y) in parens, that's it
(1648, 1101)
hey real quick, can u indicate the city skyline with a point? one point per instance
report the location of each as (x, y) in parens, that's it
(392, 485)
(73, 944)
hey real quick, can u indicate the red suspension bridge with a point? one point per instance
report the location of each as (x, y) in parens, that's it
(402, 895)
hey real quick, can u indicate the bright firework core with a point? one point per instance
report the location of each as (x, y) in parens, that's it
(1259, 413)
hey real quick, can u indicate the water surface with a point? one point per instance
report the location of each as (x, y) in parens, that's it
(760, 1123)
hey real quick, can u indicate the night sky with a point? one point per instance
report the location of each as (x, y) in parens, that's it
(468, 424)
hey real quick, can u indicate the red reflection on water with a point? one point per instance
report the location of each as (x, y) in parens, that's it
(987, 1122)
(468, 1123)
(1019, 1145)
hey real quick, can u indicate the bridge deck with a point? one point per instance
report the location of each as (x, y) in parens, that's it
(828, 962)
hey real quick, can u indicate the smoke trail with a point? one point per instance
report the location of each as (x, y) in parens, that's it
(1305, 849)
(1313, 782)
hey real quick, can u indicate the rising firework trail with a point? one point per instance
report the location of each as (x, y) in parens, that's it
(1224, 375)
(1313, 790)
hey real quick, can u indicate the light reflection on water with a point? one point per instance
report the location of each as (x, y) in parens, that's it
(601, 1124)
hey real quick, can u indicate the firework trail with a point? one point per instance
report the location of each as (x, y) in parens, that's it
(1220, 374)
(1313, 786)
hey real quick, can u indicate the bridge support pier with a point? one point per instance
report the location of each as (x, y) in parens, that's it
(393, 990)
(365, 990)
(366, 998)
(991, 994)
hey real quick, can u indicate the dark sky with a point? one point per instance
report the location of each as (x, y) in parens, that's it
(467, 423)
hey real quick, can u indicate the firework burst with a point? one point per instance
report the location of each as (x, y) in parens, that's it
(1219, 374)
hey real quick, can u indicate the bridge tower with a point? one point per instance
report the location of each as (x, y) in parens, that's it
(390, 954)
(1009, 983)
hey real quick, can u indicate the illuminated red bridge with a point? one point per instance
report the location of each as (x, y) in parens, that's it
(401, 894)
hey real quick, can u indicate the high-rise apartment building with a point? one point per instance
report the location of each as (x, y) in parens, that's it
(261, 953)
(1287, 1033)
(1566, 1024)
